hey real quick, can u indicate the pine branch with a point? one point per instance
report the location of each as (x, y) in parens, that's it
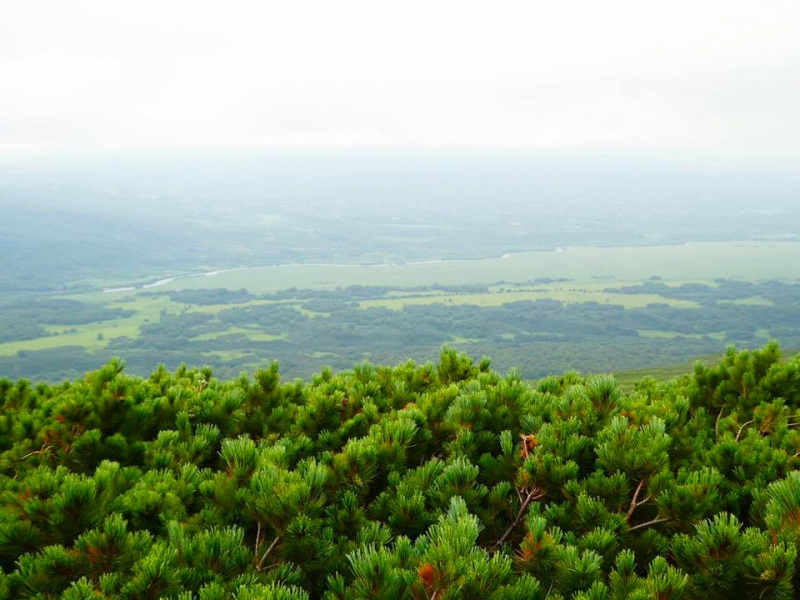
(267, 553)
(534, 494)
(634, 504)
(739, 433)
(44, 448)
(648, 523)
(716, 427)
(258, 540)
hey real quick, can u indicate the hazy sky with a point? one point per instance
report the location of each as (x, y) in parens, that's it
(696, 74)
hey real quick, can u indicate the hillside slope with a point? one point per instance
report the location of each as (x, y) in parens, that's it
(415, 481)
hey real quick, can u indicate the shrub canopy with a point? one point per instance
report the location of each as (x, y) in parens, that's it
(442, 481)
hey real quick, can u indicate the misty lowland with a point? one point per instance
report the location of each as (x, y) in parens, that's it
(357, 300)
(543, 262)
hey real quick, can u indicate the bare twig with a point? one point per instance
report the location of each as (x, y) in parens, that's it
(648, 523)
(534, 494)
(634, 504)
(739, 433)
(258, 539)
(44, 448)
(716, 427)
(267, 553)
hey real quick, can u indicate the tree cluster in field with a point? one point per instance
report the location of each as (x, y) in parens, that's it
(443, 481)
(23, 319)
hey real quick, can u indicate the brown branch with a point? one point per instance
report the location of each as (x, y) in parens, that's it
(634, 504)
(716, 427)
(258, 540)
(44, 448)
(534, 494)
(648, 523)
(739, 433)
(267, 553)
(633, 501)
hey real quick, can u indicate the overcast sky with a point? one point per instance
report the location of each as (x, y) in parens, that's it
(698, 74)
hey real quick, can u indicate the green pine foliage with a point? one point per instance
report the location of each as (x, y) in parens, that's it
(424, 482)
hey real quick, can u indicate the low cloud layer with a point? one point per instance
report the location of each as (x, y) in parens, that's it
(710, 75)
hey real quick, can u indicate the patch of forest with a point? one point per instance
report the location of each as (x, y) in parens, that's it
(26, 319)
(439, 480)
(235, 330)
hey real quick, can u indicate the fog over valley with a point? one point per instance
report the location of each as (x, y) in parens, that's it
(129, 216)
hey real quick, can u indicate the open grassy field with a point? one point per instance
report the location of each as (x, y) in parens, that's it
(690, 262)
(93, 336)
